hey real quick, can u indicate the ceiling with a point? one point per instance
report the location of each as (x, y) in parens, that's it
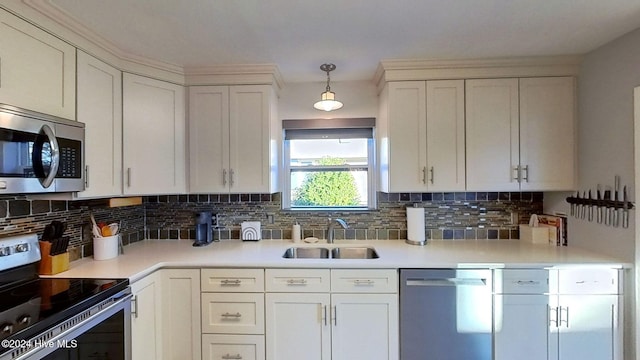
(299, 35)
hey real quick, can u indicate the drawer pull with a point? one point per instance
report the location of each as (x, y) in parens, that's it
(228, 282)
(236, 315)
(232, 357)
(296, 282)
(527, 282)
(358, 282)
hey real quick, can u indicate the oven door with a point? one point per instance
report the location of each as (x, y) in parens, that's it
(98, 334)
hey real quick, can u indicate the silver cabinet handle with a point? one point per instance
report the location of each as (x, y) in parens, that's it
(431, 171)
(324, 314)
(335, 315)
(527, 282)
(296, 282)
(525, 170)
(224, 177)
(553, 316)
(229, 282)
(134, 304)
(86, 176)
(365, 282)
(230, 177)
(566, 321)
(232, 357)
(235, 316)
(128, 177)
(516, 170)
(424, 174)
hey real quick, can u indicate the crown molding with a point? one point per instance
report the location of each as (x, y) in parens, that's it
(234, 74)
(439, 69)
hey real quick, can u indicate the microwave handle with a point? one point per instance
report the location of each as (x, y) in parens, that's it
(55, 156)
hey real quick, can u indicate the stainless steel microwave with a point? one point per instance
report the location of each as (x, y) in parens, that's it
(39, 153)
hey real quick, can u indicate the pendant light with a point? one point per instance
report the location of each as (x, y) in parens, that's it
(328, 100)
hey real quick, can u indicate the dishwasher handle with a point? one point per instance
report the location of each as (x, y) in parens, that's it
(447, 282)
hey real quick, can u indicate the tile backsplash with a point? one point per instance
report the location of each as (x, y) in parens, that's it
(460, 215)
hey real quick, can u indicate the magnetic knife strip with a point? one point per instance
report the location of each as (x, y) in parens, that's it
(609, 206)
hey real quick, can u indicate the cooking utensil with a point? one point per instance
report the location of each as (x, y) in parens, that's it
(49, 233)
(616, 216)
(584, 205)
(95, 229)
(600, 207)
(578, 205)
(607, 214)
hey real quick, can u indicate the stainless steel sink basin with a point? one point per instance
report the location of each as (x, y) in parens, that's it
(354, 253)
(335, 253)
(306, 253)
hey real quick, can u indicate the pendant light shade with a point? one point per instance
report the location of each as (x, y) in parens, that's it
(328, 100)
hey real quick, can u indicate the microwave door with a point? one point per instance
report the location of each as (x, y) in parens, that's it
(46, 156)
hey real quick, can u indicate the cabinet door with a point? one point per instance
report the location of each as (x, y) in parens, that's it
(445, 136)
(547, 133)
(361, 320)
(208, 139)
(181, 337)
(153, 136)
(521, 327)
(100, 109)
(233, 313)
(406, 137)
(146, 339)
(492, 132)
(38, 70)
(589, 327)
(297, 326)
(252, 143)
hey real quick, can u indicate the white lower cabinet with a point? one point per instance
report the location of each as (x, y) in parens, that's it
(233, 316)
(566, 314)
(308, 319)
(165, 315)
(180, 314)
(146, 340)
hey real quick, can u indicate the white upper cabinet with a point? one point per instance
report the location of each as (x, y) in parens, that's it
(520, 134)
(492, 135)
(154, 151)
(547, 133)
(234, 139)
(38, 70)
(421, 132)
(100, 109)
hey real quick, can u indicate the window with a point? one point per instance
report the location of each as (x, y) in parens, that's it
(329, 164)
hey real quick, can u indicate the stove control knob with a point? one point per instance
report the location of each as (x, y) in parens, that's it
(24, 320)
(22, 248)
(5, 251)
(6, 328)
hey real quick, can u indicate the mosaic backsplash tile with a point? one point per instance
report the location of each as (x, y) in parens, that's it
(463, 215)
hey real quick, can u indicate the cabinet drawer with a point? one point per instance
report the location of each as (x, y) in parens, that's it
(521, 281)
(364, 281)
(233, 347)
(586, 281)
(232, 313)
(232, 280)
(297, 280)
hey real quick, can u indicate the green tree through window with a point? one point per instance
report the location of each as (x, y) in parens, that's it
(327, 188)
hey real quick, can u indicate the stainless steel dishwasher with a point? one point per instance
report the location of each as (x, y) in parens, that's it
(446, 314)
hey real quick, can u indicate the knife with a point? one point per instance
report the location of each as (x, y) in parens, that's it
(578, 205)
(607, 196)
(584, 204)
(590, 202)
(625, 208)
(616, 218)
(599, 210)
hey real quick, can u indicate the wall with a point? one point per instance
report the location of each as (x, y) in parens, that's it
(606, 148)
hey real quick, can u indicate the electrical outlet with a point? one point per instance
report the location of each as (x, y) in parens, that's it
(270, 218)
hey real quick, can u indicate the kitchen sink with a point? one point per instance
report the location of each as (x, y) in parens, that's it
(354, 253)
(306, 253)
(335, 253)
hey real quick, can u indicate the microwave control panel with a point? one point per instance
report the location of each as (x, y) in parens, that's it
(70, 159)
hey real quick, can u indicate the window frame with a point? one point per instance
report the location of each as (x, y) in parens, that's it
(337, 124)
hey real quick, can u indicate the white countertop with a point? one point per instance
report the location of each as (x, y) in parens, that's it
(146, 256)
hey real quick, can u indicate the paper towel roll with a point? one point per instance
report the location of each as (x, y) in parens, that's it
(295, 233)
(415, 224)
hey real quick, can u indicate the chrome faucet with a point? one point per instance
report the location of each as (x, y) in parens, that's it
(330, 228)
